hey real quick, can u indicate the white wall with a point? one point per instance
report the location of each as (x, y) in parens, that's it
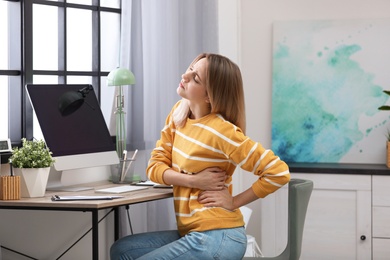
(246, 37)
(254, 19)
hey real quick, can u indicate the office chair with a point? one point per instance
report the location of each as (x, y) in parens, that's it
(299, 192)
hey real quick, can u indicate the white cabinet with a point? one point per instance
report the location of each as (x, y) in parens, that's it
(380, 217)
(338, 220)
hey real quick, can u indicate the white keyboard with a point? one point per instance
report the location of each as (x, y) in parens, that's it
(121, 189)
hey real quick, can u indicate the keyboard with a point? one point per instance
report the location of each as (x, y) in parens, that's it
(121, 189)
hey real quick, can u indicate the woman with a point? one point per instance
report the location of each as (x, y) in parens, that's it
(201, 145)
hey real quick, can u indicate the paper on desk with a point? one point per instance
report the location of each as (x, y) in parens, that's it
(146, 183)
(154, 184)
(120, 189)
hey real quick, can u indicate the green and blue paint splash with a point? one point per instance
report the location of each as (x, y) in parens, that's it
(317, 99)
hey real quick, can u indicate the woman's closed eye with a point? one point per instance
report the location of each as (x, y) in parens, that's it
(193, 73)
(194, 77)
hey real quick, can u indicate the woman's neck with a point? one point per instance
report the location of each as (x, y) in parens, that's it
(197, 112)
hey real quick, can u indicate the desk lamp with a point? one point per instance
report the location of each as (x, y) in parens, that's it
(70, 101)
(120, 77)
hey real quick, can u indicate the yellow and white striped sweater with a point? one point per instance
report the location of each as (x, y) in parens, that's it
(212, 142)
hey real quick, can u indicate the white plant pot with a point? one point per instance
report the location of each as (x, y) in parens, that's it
(33, 181)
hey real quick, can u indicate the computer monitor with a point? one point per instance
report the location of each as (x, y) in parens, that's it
(80, 142)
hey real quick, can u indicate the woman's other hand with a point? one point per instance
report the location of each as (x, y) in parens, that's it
(221, 198)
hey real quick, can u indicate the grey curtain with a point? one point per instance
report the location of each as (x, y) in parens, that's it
(159, 38)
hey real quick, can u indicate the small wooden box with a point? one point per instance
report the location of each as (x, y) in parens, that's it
(9, 187)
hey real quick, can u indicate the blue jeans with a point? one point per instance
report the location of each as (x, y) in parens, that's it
(226, 244)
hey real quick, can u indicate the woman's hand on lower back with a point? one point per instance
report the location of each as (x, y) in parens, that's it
(221, 198)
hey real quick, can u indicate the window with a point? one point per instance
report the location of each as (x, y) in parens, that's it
(3, 65)
(10, 62)
(63, 42)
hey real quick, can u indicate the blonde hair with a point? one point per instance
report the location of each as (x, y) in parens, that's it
(225, 90)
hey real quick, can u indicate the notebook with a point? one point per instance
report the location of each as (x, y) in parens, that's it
(70, 198)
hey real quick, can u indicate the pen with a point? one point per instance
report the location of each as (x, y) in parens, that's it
(123, 166)
(11, 170)
(132, 160)
(135, 153)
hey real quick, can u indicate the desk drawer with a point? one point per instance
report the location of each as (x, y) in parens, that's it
(380, 190)
(381, 249)
(380, 222)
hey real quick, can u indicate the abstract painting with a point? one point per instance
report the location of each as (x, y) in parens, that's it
(327, 84)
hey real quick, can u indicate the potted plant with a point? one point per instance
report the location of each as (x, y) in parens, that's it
(387, 92)
(32, 163)
(387, 108)
(388, 148)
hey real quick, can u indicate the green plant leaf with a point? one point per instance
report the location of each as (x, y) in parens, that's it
(384, 108)
(32, 154)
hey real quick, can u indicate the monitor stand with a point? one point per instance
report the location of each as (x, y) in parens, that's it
(71, 180)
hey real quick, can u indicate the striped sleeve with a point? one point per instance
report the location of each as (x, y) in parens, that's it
(161, 156)
(272, 171)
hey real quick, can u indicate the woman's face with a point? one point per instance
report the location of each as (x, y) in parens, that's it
(193, 83)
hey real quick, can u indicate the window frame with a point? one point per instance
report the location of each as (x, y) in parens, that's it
(20, 114)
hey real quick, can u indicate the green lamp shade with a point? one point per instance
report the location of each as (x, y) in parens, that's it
(120, 77)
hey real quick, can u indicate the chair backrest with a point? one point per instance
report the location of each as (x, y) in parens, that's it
(246, 213)
(299, 192)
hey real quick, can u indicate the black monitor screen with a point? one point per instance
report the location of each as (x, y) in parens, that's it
(83, 131)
